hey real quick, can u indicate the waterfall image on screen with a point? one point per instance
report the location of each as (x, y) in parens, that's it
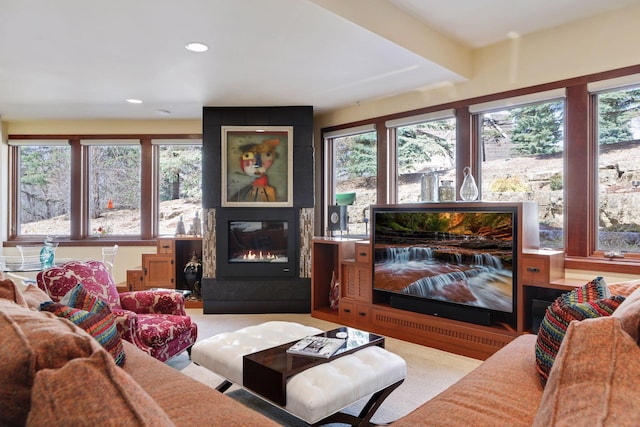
(462, 258)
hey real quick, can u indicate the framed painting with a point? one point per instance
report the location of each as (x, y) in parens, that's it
(257, 166)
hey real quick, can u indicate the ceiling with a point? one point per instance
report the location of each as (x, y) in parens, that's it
(79, 59)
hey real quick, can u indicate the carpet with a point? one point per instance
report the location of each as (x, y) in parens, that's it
(429, 371)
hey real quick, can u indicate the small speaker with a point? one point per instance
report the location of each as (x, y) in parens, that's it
(334, 222)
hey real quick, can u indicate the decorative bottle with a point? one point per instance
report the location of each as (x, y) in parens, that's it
(429, 187)
(446, 192)
(47, 253)
(468, 189)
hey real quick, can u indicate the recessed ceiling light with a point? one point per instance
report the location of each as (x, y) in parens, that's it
(134, 101)
(196, 47)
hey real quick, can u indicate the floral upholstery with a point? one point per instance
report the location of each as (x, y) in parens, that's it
(155, 321)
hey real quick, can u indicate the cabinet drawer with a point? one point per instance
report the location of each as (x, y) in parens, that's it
(533, 271)
(166, 246)
(542, 267)
(347, 312)
(363, 252)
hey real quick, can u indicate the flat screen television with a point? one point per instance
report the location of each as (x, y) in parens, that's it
(457, 261)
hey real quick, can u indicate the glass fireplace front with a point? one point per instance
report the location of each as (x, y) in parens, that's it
(258, 241)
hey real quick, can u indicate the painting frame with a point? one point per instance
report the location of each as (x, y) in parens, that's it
(257, 166)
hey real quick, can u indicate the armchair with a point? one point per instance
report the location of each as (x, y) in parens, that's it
(155, 321)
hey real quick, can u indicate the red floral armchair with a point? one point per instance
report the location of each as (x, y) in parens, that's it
(155, 321)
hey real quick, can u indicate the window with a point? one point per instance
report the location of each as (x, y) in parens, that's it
(425, 155)
(43, 184)
(179, 189)
(521, 151)
(618, 141)
(114, 189)
(353, 175)
(125, 188)
(518, 143)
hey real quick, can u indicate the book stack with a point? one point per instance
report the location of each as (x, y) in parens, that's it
(315, 346)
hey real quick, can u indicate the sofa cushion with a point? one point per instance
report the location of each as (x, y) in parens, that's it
(595, 378)
(629, 315)
(10, 291)
(31, 341)
(34, 296)
(503, 391)
(625, 288)
(111, 396)
(588, 301)
(91, 314)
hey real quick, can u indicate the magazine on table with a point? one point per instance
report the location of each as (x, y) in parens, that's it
(316, 346)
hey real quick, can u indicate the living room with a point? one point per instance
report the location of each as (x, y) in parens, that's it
(571, 57)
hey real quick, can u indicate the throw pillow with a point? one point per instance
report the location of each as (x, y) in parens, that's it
(92, 391)
(595, 378)
(31, 341)
(588, 301)
(91, 314)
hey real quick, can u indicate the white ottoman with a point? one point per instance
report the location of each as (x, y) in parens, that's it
(223, 353)
(317, 393)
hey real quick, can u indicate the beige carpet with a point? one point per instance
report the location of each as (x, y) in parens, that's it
(429, 371)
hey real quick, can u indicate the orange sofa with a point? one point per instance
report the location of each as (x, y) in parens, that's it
(54, 373)
(594, 380)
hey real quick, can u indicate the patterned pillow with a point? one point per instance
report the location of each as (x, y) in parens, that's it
(589, 301)
(91, 314)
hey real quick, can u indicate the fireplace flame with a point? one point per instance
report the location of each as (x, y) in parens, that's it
(258, 256)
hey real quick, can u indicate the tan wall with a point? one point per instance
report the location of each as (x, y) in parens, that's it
(606, 42)
(592, 45)
(65, 127)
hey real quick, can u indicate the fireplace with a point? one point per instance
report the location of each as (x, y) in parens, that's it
(256, 242)
(257, 258)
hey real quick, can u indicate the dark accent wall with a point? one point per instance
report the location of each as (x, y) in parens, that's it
(301, 118)
(264, 292)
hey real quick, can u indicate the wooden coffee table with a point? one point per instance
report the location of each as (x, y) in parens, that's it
(267, 372)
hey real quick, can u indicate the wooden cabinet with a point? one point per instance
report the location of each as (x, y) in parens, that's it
(165, 269)
(355, 298)
(134, 280)
(541, 274)
(542, 267)
(351, 261)
(327, 254)
(158, 271)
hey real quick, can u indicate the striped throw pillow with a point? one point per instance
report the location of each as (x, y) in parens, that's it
(91, 314)
(588, 301)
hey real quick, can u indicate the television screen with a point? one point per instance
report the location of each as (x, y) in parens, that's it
(463, 256)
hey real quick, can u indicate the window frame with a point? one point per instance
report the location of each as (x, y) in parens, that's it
(594, 90)
(580, 148)
(80, 233)
(392, 132)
